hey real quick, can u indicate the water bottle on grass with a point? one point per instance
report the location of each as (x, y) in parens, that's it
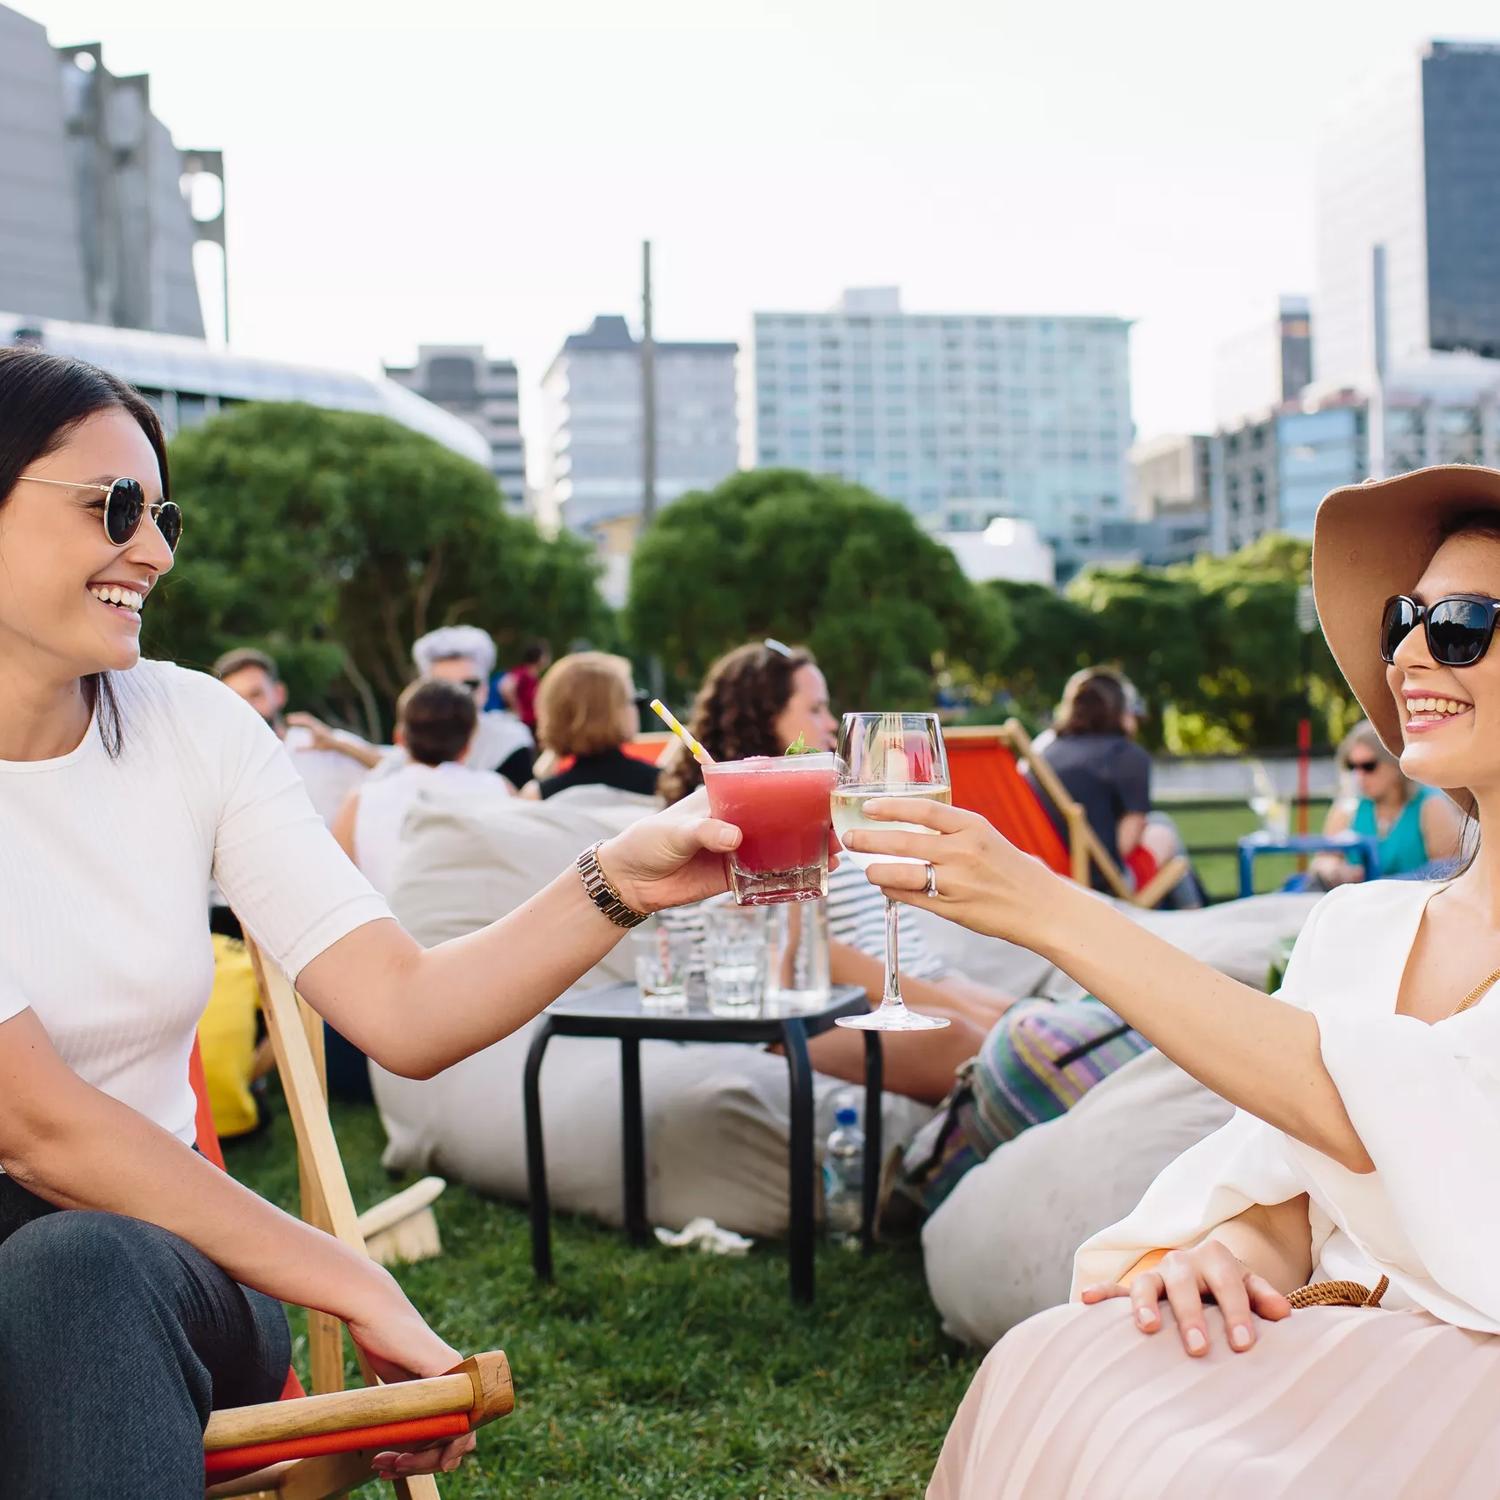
(843, 1179)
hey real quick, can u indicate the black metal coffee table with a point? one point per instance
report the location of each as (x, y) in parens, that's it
(619, 1011)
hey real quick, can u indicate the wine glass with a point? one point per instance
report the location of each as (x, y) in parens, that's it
(888, 755)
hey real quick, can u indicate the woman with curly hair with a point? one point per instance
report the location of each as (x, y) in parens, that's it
(758, 700)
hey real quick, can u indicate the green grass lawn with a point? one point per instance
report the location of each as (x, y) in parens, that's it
(664, 1373)
(1220, 874)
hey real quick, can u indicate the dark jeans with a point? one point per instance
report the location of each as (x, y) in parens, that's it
(117, 1339)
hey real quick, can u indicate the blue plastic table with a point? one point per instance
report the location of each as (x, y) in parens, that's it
(1363, 848)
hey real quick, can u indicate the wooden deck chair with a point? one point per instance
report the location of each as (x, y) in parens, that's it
(1086, 853)
(987, 779)
(309, 1447)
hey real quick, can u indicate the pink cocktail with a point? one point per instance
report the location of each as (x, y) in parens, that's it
(782, 806)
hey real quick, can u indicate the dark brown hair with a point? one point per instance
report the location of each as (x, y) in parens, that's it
(735, 712)
(242, 657)
(436, 720)
(43, 397)
(1093, 702)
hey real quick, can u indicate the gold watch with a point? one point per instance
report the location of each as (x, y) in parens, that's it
(603, 894)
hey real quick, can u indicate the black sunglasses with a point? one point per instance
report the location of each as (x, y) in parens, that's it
(124, 506)
(1458, 627)
(1362, 767)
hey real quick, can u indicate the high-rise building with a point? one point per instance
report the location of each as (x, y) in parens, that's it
(983, 414)
(1411, 163)
(1271, 471)
(97, 228)
(594, 420)
(1265, 365)
(485, 393)
(1169, 476)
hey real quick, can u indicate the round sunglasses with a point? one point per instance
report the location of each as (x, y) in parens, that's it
(125, 507)
(1459, 627)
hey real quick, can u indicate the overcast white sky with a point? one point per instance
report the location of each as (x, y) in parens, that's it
(484, 170)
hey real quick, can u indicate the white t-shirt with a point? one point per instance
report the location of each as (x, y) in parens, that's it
(385, 802)
(103, 865)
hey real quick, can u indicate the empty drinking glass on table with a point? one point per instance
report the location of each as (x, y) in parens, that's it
(662, 960)
(798, 976)
(735, 950)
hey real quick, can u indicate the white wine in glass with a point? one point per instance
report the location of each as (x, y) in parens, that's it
(889, 755)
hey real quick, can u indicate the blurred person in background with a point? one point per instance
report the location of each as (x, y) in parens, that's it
(329, 761)
(1416, 827)
(586, 713)
(435, 724)
(519, 686)
(1093, 751)
(759, 700)
(466, 654)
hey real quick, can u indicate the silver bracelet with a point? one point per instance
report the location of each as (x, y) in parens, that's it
(603, 894)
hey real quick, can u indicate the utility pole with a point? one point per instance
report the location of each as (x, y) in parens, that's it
(1379, 329)
(648, 394)
(654, 672)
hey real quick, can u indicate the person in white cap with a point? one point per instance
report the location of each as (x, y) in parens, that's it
(466, 654)
(1329, 1261)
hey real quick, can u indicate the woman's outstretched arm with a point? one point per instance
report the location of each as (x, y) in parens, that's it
(417, 1011)
(1254, 1050)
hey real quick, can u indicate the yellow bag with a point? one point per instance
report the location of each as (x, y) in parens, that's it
(226, 1038)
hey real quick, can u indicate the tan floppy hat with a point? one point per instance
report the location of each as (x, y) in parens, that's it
(1373, 540)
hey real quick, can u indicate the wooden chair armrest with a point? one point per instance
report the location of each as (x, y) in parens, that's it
(479, 1390)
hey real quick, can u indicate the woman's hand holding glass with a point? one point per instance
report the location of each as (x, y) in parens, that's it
(672, 858)
(983, 881)
(1186, 1279)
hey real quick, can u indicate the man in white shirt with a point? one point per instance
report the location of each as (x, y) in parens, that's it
(330, 762)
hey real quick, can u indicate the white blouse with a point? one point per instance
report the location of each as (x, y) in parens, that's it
(1425, 1100)
(104, 865)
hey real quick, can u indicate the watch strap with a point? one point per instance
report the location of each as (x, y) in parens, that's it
(596, 885)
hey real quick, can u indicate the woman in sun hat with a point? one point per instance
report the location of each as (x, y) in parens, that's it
(1344, 1224)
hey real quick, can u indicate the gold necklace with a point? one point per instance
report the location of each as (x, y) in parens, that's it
(1477, 993)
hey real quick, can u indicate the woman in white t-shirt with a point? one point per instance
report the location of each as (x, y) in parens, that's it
(125, 786)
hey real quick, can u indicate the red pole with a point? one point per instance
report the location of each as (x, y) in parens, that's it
(1304, 770)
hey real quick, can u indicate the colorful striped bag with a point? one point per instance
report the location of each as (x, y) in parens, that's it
(1040, 1058)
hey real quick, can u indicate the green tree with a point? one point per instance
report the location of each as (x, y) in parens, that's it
(1052, 637)
(809, 559)
(334, 539)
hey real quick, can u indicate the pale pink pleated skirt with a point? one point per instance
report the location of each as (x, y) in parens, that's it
(1332, 1402)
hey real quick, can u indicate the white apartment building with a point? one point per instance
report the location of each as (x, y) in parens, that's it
(1024, 417)
(592, 395)
(485, 393)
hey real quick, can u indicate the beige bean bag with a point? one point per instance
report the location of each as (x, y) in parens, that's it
(716, 1117)
(1000, 1247)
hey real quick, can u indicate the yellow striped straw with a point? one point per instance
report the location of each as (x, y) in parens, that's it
(668, 718)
